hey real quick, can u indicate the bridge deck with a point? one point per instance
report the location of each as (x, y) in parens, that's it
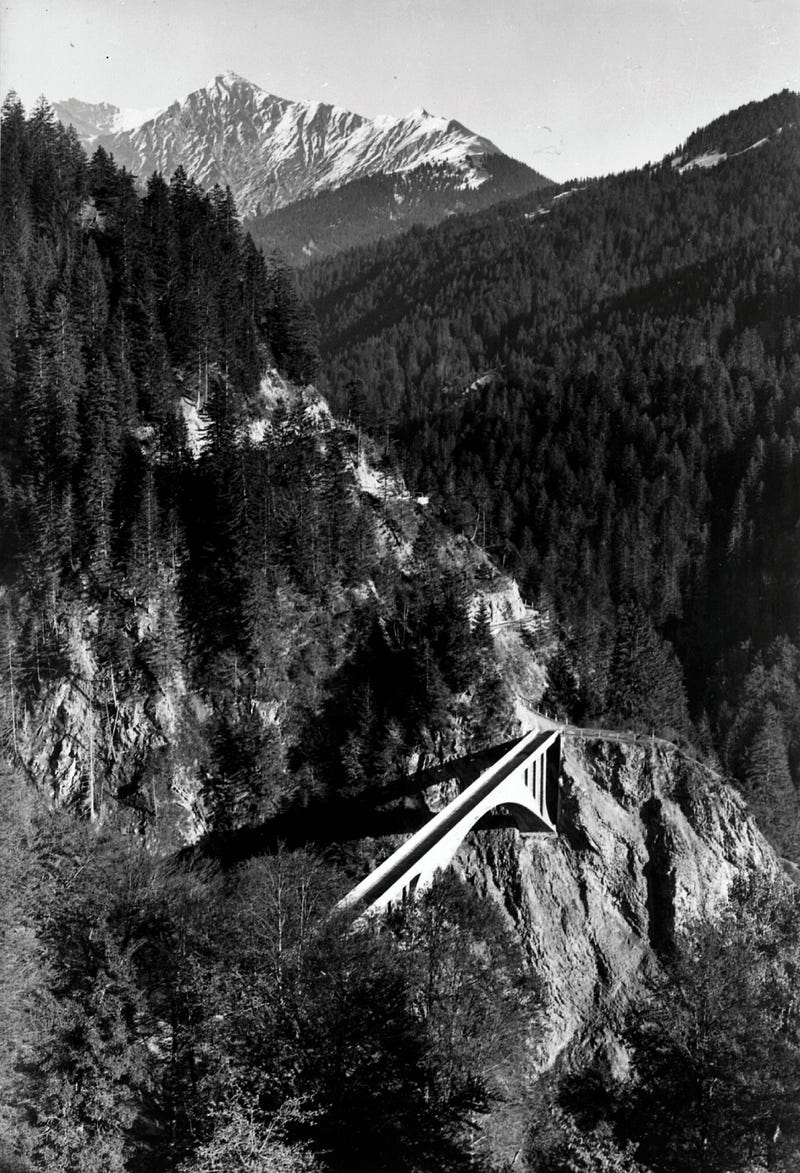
(428, 836)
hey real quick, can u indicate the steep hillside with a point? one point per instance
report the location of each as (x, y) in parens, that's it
(271, 152)
(217, 600)
(225, 612)
(473, 1002)
(649, 841)
(603, 386)
(744, 129)
(383, 206)
(649, 844)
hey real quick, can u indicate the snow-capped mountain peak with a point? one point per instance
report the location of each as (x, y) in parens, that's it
(228, 79)
(271, 151)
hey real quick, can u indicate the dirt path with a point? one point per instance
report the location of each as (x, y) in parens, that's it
(587, 733)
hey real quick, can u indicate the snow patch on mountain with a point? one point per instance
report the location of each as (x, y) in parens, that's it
(129, 118)
(710, 159)
(714, 158)
(93, 120)
(271, 151)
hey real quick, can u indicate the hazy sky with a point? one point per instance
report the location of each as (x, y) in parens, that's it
(573, 87)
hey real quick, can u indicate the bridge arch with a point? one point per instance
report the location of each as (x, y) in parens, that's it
(525, 781)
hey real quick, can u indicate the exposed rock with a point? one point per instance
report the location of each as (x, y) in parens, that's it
(105, 742)
(648, 840)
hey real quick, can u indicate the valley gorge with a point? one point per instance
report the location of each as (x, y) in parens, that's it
(283, 555)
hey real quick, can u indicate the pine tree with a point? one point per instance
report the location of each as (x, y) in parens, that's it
(715, 1051)
(645, 683)
(62, 379)
(767, 781)
(101, 444)
(89, 1070)
(22, 976)
(293, 330)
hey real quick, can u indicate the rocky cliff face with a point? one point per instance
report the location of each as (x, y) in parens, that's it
(648, 840)
(131, 743)
(104, 743)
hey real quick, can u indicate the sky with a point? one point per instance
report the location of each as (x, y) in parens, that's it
(572, 87)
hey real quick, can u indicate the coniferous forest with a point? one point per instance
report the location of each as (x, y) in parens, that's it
(223, 616)
(380, 206)
(240, 618)
(121, 308)
(604, 388)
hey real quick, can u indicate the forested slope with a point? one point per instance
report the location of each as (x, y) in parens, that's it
(604, 388)
(385, 206)
(174, 626)
(219, 604)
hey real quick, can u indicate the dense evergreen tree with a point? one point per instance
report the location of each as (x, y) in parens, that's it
(715, 1050)
(644, 680)
(138, 327)
(605, 397)
(602, 389)
(380, 206)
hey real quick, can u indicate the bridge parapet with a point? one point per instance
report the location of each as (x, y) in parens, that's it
(525, 781)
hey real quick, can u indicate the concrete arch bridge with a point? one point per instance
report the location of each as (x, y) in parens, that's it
(524, 782)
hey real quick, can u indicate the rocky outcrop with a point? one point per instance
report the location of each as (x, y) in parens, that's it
(648, 840)
(121, 744)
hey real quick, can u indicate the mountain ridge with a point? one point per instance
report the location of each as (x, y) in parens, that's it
(383, 206)
(272, 151)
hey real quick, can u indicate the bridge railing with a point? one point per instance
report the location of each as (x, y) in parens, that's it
(402, 861)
